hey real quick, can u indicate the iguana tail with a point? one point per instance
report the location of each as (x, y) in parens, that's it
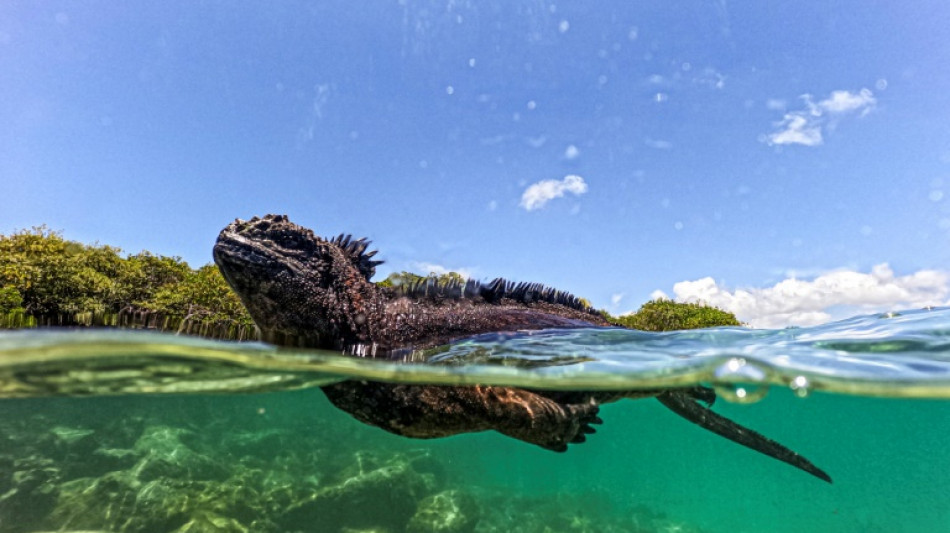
(684, 404)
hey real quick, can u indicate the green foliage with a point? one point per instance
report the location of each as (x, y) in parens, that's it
(44, 275)
(397, 279)
(50, 273)
(144, 275)
(202, 293)
(667, 315)
(10, 300)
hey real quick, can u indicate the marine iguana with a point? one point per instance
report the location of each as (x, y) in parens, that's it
(303, 290)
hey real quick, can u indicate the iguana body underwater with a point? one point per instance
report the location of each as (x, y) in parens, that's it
(303, 290)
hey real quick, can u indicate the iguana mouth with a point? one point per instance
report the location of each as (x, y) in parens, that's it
(233, 249)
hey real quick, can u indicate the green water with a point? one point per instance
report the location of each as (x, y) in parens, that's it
(645, 466)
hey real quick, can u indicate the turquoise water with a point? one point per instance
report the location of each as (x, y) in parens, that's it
(131, 431)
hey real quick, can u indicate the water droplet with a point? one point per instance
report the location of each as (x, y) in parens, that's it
(801, 386)
(741, 393)
(740, 381)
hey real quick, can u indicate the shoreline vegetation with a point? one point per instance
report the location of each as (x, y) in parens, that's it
(46, 281)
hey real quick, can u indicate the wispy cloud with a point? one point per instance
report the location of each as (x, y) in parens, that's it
(321, 96)
(658, 144)
(540, 193)
(805, 126)
(832, 295)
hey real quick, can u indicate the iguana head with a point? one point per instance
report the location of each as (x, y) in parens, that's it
(299, 288)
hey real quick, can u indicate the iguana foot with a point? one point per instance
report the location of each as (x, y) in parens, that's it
(544, 422)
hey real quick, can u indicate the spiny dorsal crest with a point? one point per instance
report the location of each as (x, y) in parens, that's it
(356, 250)
(431, 288)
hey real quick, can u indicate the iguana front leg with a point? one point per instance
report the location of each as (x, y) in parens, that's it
(431, 411)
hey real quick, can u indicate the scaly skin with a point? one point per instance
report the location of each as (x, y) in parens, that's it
(306, 291)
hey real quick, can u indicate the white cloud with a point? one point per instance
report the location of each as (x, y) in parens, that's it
(804, 126)
(540, 193)
(571, 152)
(615, 298)
(844, 101)
(659, 295)
(435, 269)
(832, 295)
(797, 129)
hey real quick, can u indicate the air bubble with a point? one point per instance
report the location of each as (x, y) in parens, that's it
(800, 386)
(741, 393)
(740, 381)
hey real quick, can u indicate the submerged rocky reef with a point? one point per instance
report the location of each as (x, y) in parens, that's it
(219, 464)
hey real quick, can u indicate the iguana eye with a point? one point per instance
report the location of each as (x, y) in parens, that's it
(288, 240)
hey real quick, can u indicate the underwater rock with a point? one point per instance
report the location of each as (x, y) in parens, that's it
(76, 440)
(31, 492)
(570, 512)
(120, 502)
(165, 486)
(256, 443)
(384, 496)
(212, 523)
(96, 503)
(164, 455)
(450, 511)
(110, 460)
(82, 452)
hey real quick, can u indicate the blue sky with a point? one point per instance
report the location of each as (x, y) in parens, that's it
(790, 162)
